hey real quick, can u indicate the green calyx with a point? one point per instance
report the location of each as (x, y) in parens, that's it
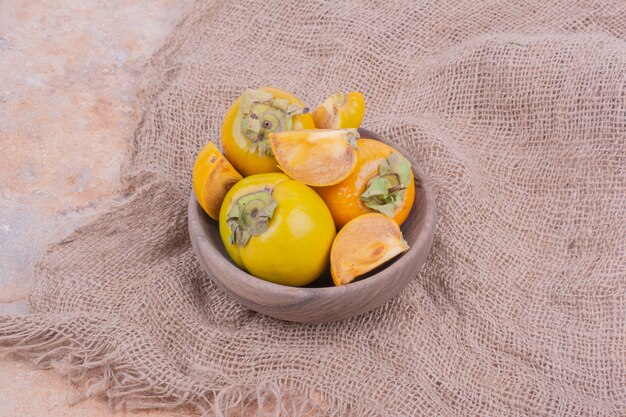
(385, 191)
(250, 215)
(263, 114)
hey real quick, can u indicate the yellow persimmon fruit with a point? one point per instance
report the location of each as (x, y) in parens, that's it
(363, 244)
(277, 229)
(319, 157)
(249, 121)
(212, 177)
(340, 111)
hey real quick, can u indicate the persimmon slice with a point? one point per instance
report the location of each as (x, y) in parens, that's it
(340, 111)
(317, 157)
(212, 177)
(363, 244)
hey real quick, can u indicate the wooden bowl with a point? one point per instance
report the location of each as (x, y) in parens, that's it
(321, 301)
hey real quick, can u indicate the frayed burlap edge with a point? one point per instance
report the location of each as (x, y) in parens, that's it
(100, 370)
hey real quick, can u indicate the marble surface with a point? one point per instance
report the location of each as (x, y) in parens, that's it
(67, 108)
(68, 74)
(34, 393)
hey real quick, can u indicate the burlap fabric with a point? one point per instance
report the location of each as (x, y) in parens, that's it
(518, 113)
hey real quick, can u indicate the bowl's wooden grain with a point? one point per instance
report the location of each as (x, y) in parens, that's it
(319, 304)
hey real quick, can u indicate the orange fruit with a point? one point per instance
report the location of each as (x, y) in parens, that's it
(249, 121)
(373, 186)
(317, 157)
(363, 244)
(212, 177)
(340, 111)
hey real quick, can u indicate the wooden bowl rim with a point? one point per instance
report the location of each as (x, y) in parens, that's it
(423, 239)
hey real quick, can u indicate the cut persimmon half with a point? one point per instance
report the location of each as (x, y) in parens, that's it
(317, 157)
(212, 177)
(363, 244)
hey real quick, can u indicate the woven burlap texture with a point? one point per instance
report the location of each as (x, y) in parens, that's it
(516, 110)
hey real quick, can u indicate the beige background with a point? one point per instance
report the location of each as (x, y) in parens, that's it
(68, 73)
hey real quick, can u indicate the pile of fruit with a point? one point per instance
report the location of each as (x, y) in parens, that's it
(289, 179)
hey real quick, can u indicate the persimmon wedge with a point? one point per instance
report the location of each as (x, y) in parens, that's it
(212, 177)
(363, 244)
(340, 111)
(317, 157)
